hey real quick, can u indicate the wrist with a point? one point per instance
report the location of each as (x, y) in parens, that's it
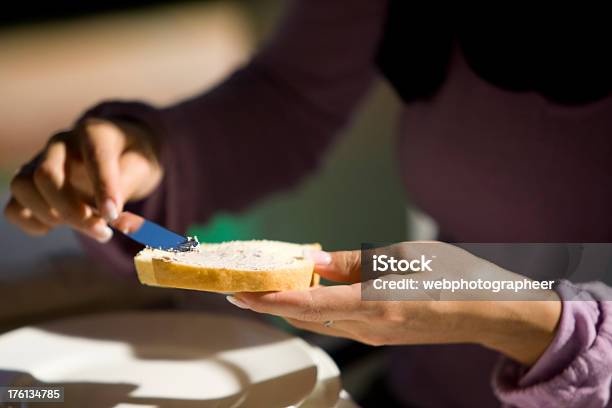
(521, 330)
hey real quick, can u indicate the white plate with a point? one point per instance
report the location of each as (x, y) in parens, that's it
(165, 359)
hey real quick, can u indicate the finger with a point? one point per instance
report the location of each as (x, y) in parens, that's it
(79, 181)
(340, 266)
(96, 228)
(101, 146)
(322, 303)
(128, 222)
(317, 327)
(138, 175)
(24, 219)
(27, 195)
(50, 181)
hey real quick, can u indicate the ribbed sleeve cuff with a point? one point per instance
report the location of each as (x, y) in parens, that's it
(576, 369)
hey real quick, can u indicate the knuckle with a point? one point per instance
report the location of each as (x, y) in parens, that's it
(92, 124)
(95, 130)
(25, 223)
(43, 173)
(73, 217)
(48, 174)
(350, 261)
(354, 261)
(44, 178)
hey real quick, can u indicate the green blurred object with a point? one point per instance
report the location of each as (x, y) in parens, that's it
(226, 227)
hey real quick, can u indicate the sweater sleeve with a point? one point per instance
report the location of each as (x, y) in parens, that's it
(576, 369)
(263, 128)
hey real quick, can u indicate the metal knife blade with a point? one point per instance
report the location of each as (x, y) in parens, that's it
(151, 234)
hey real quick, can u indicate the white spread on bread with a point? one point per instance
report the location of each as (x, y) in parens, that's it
(244, 255)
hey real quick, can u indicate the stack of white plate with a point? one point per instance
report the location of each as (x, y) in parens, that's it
(170, 359)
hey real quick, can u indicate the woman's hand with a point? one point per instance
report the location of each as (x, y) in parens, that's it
(520, 329)
(83, 178)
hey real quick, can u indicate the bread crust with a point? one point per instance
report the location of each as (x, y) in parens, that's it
(157, 271)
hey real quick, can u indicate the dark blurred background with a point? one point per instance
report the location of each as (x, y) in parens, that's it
(58, 58)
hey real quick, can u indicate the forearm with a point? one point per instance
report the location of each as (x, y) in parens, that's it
(520, 330)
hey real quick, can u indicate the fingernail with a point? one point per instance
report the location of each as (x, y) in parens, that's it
(237, 302)
(103, 233)
(109, 210)
(318, 257)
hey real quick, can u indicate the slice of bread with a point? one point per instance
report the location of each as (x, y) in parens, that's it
(236, 266)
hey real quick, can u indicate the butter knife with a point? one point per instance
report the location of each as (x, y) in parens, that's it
(150, 234)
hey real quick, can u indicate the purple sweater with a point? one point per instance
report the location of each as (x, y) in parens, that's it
(475, 157)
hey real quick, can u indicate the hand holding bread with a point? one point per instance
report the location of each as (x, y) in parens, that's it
(508, 327)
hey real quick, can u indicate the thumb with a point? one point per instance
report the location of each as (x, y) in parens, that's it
(101, 146)
(340, 266)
